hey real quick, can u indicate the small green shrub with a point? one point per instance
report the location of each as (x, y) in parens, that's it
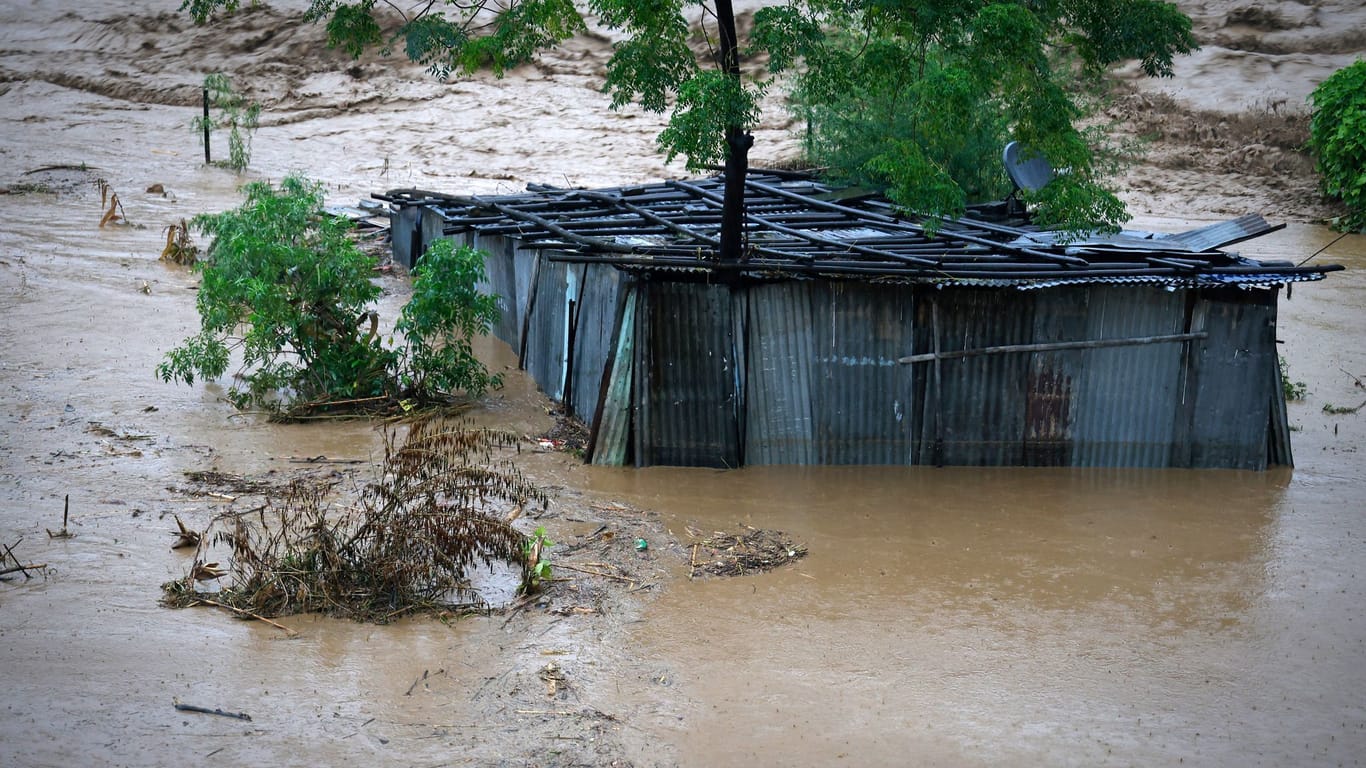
(286, 285)
(1337, 137)
(1293, 390)
(235, 113)
(536, 560)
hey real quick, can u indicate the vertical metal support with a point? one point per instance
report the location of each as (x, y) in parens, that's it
(938, 386)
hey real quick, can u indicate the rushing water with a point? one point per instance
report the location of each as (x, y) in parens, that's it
(943, 616)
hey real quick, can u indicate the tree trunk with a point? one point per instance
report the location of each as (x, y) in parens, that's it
(738, 143)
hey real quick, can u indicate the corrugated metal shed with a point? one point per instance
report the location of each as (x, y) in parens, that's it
(850, 335)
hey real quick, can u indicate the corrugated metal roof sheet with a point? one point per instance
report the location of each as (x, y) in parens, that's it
(799, 226)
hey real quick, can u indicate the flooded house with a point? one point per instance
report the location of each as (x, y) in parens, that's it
(848, 334)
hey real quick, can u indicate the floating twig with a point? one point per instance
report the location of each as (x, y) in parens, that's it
(247, 614)
(591, 572)
(423, 679)
(207, 711)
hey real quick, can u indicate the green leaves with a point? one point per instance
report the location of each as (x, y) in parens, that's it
(446, 311)
(708, 103)
(1337, 137)
(285, 287)
(921, 97)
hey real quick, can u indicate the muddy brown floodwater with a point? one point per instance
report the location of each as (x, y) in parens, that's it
(953, 616)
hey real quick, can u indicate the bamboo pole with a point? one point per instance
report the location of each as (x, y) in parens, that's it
(936, 356)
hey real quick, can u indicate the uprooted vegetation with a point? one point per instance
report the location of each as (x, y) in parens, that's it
(407, 543)
(753, 550)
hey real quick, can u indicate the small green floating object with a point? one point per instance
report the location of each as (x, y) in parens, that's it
(642, 545)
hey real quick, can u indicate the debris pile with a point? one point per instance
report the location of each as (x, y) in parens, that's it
(734, 554)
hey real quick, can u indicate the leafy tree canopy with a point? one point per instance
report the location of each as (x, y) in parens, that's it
(920, 97)
(1337, 137)
(940, 69)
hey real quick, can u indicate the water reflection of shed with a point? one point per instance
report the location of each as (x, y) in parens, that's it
(847, 336)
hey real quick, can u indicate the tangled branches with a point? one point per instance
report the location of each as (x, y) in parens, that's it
(406, 545)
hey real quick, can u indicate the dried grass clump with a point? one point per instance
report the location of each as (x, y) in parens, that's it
(407, 544)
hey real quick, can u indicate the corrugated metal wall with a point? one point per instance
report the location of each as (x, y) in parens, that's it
(1127, 400)
(807, 372)
(595, 324)
(686, 377)
(500, 281)
(546, 347)
(861, 396)
(779, 427)
(1233, 382)
(976, 414)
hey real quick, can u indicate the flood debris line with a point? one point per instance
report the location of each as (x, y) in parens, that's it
(734, 554)
(227, 486)
(568, 434)
(9, 563)
(405, 543)
(205, 710)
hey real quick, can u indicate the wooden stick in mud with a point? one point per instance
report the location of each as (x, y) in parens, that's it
(568, 567)
(24, 568)
(64, 533)
(207, 711)
(248, 614)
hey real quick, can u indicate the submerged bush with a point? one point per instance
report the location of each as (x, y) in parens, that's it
(286, 285)
(1337, 137)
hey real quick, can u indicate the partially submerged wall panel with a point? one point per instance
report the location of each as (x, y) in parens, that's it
(499, 280)
(686, 377)
(547, 327)
(1128, 398)
(861, 396)
(594, 322)
(976, 414)
(778, 401)
(1053, 376)
(1233, 392)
